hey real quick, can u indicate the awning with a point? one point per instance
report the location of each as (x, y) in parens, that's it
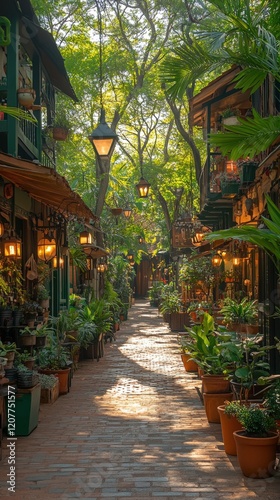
(50, 56)
(45, 185)
(95, 251)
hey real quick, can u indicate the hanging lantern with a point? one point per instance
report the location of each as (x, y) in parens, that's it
(127, 212)
(12, 247)
(103, 139)
(143, 188)
(46, 249)
(85, 238)
(216, 260)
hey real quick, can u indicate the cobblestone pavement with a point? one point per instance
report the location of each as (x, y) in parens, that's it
(131, 427)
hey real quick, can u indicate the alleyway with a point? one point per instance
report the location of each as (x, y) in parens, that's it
(132, 426)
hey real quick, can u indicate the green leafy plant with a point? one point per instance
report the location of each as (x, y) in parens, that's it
(47, 381)
(171, 301)
(87, 333)
(257, 421)
(6, 348)
(244, 311)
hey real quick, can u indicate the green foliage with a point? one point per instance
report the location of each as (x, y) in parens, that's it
(87, 333)
(256, 421)
(214, 351)
(272, 400)
(244, 311)
(171, 300)
(6, 348)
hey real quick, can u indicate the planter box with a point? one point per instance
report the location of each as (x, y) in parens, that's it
(49, 396)
(247, 172)
(178, 321)
(230, 188)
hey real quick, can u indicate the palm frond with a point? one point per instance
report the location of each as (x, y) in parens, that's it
(250, 137)
(17, 113)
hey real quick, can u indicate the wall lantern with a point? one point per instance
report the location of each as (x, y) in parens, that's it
(236, 260)
(247, 282)
(143, 188)
(12, 247)
(46, 249)
(231, 167)
(2, 229)
(85, 238)
(141, 240)
(103, 139)
(127, 212)
(101, 267)
(216, 260)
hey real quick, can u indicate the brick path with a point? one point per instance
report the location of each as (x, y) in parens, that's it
(132, 426)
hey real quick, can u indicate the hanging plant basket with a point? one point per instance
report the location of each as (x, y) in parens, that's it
(60, 133)
(26, 97)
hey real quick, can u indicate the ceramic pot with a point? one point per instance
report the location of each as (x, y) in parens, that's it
(215, 384)
(211, 403)
(189, 364)
(26, 97)
(229, 425)
(256, 456)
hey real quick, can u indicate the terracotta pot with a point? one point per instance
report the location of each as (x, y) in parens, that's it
(189, 364)
(229, 425)
(60, 133)
(256, 456)
(63, 375)
(211, 403)
(215, 384)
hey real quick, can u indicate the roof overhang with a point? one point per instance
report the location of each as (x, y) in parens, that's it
(45, 185)
(37, 40)
(95, 251)
(221, 94)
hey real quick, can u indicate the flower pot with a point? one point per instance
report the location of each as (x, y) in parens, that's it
(26, 380)
(229, 188)
(17, 315)
(215, 384)
(27, 340)
(211, 403)
(229, 425)
(26, 97)
(189, 364)
(247, 172)
(256, 456)
(29, 363)
(41, 341)
(178, 321)
(45, 303)
(63, 375)
(60, 133)
(6, 317)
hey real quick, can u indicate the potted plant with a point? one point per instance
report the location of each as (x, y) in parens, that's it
(229, 424)
(25, 358)
(42, 332)
(54, 358)
(154, 293)
(238, 315)
(8, 351)
(26, 97)
(60, 127)
(256, 443)
(251, 366)
(27, 336)
(230, 184)
(42, 296)
(49, 388)
(172, 309)
(30, 311)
